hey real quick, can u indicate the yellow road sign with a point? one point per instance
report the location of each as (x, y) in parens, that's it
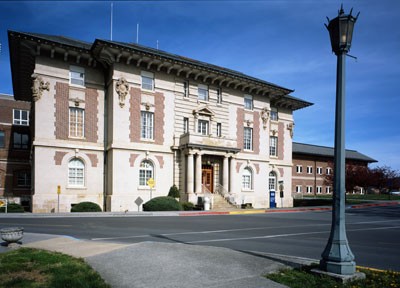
(151, 182)
(3, 203)
(58, 189)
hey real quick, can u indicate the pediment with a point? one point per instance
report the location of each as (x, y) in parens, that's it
(203, 110)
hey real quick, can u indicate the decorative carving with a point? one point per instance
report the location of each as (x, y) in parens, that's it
(38, 86)
(248, 122)
(274, 131)
(290, 127)
(122, 89)
(76, 101)
(264, 117)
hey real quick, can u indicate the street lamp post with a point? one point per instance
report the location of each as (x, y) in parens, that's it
(337, 257)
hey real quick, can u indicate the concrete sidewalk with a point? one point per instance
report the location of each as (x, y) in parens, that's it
(153, 264)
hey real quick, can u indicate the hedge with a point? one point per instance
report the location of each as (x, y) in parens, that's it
(164, 203)
(86, 207)
(12, 208)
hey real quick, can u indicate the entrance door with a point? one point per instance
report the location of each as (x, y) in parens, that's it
(207, 177)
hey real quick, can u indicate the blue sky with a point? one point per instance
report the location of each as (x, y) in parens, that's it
(283, 42)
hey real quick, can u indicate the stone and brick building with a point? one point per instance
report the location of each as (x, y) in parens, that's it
(311, 164)
(15, 168)
(108, 116)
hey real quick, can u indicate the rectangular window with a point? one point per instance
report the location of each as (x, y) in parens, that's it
(202, 127)
(20, 141)
(274, 114)
(309, 189)
(298, 189)
(24, 179)
(319, 170)
(147, 125)
(248, 138)
(309, 170)
(76, 122)
(219, 96)
(319, 189)
(246, 182)
(219, 128)
(185, 125)
(299, 169)
(147, 81)
(2, 140)
(248, 102)
(203, 92)
(20, 117)
(186, 89)
(328, 190)
(273, 146)
(328, 171)
(77, 76)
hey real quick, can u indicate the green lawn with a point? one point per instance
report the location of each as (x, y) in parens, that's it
(26, 268)
(302, 277)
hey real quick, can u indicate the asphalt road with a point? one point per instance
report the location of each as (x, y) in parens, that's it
(373, 233)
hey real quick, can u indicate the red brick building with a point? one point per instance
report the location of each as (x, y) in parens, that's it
(311, 164)
(15, 168)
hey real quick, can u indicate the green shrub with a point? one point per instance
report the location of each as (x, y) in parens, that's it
(12, 208)
(188, 206)
(174, 192)
(86, 207)
(164, 203)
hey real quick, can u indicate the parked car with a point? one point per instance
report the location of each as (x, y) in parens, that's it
(394, 193)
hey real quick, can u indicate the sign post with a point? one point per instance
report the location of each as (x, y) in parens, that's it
(151, 184)
(58, 198)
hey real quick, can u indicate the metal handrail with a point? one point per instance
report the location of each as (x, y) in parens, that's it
(229, 197)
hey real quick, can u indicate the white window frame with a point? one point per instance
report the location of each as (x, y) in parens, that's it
(203, 127)
(146, 125)
(328, 189)
(219, 95)
(247, 179)
(299, 188)
(299, 168)
(274, 114)
(328, 171)
(309, 170)
(272, 181)
(309, 189)
(76, 173)
(248, 102)
(74, 124)
(185, 89)
(248, 138)
(77, 76)
(21, 117)
(146, 171)
(185, 125)
(202, 92)
(319, 170)
(219, 129)
(147, 76)
(319, 189)
(273, 146)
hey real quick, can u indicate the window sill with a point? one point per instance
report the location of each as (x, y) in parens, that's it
(77, 86)
(76, 138)
(147, 140)
(248, 151)
(151, 92)
(202, 101)
(75, 188)
(145, 188)
(247, 190)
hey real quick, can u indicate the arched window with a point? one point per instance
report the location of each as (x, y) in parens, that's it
(272, 181)
(247, 179)
(146, 171)
(76, 173)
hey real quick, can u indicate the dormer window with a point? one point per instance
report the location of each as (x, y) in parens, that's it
(147, 81)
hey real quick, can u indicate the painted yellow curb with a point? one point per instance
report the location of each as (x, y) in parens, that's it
(376, 270)
(246, 212)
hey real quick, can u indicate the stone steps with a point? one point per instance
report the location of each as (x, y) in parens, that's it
(220, 203)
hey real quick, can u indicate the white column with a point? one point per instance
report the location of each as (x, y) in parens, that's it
(198, 174)
(189, 174)
(232, 173)
(225, 174)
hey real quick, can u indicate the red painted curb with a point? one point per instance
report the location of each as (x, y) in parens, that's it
(374, 205)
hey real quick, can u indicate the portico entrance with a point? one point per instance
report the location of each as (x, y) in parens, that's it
(207, 177)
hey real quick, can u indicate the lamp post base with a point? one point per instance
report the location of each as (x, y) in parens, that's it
(340, 278)
(342, 268)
